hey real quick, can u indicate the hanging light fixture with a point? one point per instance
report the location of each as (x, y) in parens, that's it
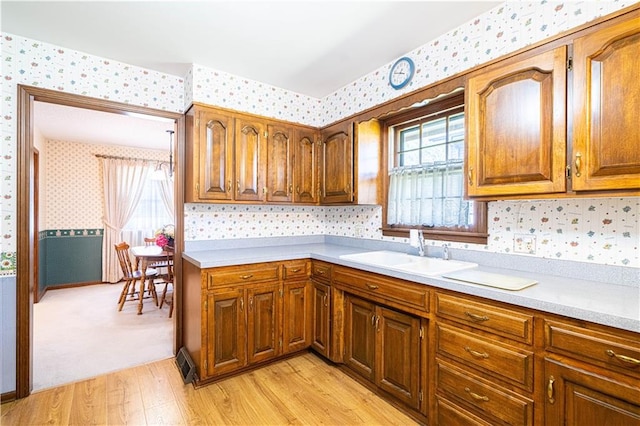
(158, 174)
(170, 152)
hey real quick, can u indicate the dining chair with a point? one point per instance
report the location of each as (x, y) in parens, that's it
(168, 281)
(149, 242)
(131, 276)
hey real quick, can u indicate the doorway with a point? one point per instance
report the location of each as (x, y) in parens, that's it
(27, 238)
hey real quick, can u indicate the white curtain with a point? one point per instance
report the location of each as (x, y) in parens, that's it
(123, 182)
(430, 195)
(166, 193)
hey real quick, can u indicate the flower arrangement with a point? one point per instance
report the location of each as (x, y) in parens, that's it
(165, 236)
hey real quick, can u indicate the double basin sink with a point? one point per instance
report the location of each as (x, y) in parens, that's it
(428, 266)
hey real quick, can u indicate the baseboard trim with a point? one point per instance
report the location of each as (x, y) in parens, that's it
(8, 397)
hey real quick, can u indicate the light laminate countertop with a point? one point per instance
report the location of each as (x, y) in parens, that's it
(598, 302)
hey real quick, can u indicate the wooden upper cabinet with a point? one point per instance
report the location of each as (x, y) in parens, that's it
(337, 164)
(210, 145)
(279, 163)
(250, 159)
(516, 127)
(606, 96)
(305, 166)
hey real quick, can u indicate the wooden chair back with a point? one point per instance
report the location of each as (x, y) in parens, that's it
(124, 257)
(149, 241)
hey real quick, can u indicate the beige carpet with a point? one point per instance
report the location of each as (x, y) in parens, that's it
(78, 333)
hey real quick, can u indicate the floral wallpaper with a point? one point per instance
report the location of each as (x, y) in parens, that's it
(603, 230)
(505, 28)
(77, 203)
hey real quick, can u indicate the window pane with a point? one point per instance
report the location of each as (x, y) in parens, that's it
(435, 132)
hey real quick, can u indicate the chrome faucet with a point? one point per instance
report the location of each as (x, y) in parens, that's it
(445, 251)
(416, 239)
(421, 241)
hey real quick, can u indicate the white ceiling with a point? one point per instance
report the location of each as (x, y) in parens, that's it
(309, 47)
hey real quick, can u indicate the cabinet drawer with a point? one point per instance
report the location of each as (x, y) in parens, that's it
(295, 269)
(448, 413)
(321, 271)
(616, 352)
(503, 322)
(497, 359)
(398, 291)
(243, 274)
(505, 405)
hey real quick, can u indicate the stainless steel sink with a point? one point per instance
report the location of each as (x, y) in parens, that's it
(428, 266)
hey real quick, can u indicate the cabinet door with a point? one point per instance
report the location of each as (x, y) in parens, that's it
(320, 317)
(250, 159)
(337, 165)
(606, 95)
(577, 397)
(305, 167)
(279, 164)
(225, 332)
(359, 335)
(215, 150)
(263, 322)
(398, 358)
(296, 315)
(517, 127)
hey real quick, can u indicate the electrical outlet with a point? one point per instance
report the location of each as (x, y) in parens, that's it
(359, 231)
(524, 243)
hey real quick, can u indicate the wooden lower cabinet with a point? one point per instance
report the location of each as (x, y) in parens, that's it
(240, 316)
(264, 339)
(225, 332)
(297, 321)
(383, 346)
(321, 317)
(576, 396)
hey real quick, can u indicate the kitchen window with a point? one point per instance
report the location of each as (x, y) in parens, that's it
(425, 186)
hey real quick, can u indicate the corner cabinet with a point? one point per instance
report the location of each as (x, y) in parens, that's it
(228, 154)
(243, 158)
(292, 164)
(531, 133)
(350, 163)
(237, 317)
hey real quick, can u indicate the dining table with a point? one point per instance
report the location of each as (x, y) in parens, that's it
(145, 256)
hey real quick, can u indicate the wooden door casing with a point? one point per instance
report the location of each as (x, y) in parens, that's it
(606, 93)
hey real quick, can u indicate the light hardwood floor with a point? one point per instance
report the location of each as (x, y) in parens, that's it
(299, 390)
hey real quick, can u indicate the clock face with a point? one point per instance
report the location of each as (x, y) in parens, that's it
(401, 73)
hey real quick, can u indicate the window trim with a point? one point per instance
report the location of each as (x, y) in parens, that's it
(476, 235)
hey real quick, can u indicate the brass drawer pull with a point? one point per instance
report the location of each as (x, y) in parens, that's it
(475, 317)
(296, 270)
(246, 277)
(476, 396)
(319, 271)
(623, 358)
(476, 354)
(550, 390)
(372, 286)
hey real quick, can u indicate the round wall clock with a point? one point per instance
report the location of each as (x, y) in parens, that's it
(401, 73)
